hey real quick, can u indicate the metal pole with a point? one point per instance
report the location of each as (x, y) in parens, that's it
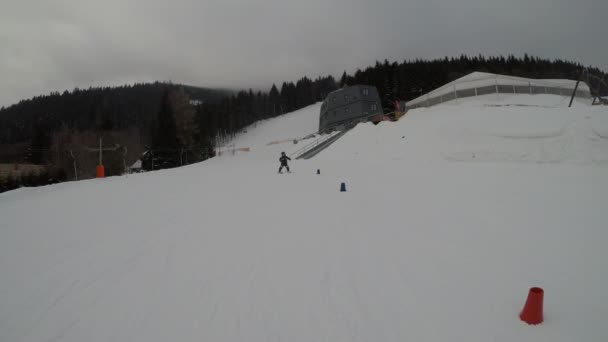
(573, 93)
(124, 160)
(75, 169)
(100, 142)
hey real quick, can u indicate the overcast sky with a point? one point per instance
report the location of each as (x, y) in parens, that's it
(53, 45)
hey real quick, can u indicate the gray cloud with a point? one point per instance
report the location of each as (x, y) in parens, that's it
(55, 45)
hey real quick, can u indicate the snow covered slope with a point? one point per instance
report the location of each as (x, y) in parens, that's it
(451, 214)
(267, 139)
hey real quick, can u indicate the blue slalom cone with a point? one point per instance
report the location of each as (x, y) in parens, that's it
(343, 187)
(318, 171)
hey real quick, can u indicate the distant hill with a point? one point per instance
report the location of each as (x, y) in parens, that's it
(105, 108)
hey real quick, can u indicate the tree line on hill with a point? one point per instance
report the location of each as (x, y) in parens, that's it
(167, 125)
(410, 79)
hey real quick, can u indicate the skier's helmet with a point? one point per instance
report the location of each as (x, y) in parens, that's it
(282, 153)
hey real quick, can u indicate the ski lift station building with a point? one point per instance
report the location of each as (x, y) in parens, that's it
(348, 106)
(481, 83)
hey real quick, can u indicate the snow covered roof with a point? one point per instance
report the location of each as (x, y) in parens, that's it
(484, 79)
(481, 76)
(136, 165)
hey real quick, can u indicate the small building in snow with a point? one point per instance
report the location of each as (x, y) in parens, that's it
(348, 106)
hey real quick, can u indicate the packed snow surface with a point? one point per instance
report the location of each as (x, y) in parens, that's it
(451, 214)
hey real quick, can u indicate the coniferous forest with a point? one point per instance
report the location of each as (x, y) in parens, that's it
(168, 125)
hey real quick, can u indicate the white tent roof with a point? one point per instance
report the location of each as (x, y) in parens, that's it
(481, 79)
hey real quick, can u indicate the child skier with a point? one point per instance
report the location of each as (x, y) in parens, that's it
(283, 161)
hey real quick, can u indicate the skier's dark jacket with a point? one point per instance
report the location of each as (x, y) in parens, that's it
(284, 160)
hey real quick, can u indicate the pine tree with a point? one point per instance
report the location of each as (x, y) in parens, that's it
(274, 101)
(343, 80)
(184, 117)
(41, 142)
(165, 147)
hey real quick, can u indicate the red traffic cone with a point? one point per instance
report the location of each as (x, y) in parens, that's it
(533, 309)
